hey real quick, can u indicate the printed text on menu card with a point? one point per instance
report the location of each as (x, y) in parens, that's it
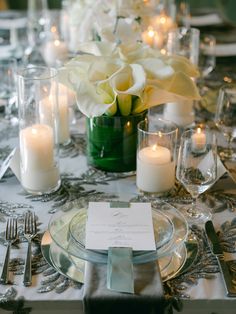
(120, 227)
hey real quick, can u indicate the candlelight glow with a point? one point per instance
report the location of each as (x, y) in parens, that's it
(199, 130)
(154, 147)
(57, 42)
(53, 29)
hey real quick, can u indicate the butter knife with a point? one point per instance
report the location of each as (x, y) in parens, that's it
(218, 252)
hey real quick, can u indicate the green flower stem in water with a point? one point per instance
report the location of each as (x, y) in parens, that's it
(112, 142)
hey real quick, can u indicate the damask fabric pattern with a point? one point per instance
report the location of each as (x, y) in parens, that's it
(79, 186)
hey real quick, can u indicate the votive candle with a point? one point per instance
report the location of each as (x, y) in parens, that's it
(37, 158)
(155, 170)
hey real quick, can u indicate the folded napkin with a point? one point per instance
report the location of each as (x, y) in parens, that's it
(148, 296)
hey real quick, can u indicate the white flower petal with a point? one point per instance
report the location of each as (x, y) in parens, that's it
(182, 64)
(90, 102)
(103, 68)
(131, 80)
(98, 48)
(156, 68)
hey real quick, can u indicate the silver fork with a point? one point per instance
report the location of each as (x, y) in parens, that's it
(11, 236)
(30, 231)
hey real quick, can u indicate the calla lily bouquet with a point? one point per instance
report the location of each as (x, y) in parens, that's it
(127, 79)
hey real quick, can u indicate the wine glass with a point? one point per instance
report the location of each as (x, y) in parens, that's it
(184, 41)
(207, 58)
(197, 168)
(8, 68)
(37, 30)
(225, 118)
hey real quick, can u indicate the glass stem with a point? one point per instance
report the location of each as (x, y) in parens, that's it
(229, 145)
(192, 211)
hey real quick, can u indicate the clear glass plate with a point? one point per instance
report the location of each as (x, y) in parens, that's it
(73, 267)
(59, 228)
(163, 230)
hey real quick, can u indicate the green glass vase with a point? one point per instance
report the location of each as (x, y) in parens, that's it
(112, 142)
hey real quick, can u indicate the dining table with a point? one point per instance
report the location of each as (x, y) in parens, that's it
(196, 285)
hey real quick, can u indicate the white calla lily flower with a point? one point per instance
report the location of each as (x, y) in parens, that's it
(131, 80)
(127, 79)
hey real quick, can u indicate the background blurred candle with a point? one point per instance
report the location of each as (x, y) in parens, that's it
(164, 22)
(54, 52)
(198, 140)
(37, 158)
(46, 114)
(155, 170)
(152, 38)
(181, 113)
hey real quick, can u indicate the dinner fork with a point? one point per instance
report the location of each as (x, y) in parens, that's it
(30, 231)
(11, 236)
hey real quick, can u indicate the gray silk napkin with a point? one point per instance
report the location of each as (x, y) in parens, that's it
(147, 299)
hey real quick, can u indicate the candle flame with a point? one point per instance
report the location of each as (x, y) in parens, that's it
(163, 20)
(151, 32)
(53, 29)
(57, 42)
(34, 131)
(199, 130)
(163, 51)
(159, 134)
(154, 147)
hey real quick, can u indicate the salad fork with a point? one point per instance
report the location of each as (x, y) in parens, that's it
(30, 231)
(11, 236)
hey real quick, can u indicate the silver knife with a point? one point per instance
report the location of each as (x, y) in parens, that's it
(218, 252)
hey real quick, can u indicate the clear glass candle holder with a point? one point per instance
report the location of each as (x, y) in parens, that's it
(156, 156)
(38, 129)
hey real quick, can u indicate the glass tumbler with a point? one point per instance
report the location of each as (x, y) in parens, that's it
(38, 129)
(156, 156)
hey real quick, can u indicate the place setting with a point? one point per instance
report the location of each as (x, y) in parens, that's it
(118, 131)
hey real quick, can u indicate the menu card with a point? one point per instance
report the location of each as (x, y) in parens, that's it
(120, 227)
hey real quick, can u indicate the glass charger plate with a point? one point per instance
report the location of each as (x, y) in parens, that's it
(73, 268)
(61, 223)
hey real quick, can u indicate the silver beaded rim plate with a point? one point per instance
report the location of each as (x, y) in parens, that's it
(73, 267)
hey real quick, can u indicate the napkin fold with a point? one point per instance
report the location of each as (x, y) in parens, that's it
(148, 297)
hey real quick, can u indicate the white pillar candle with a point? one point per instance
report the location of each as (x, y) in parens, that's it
(198, 141)
(155, 170)
(181, 113)
(54, 51)
(38, 171)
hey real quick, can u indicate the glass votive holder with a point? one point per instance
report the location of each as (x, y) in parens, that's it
(156, 156)
(37, 90)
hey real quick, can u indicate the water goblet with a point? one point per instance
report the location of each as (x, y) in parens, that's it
(8, 68)
(197, 168)
(225, 118)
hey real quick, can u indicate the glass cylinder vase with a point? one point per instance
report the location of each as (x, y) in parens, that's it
(38, 129)
(112, 142)
(156, 156)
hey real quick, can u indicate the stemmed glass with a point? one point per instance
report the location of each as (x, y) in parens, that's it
(197, 168)
(225, 118)
(184, 41)
(207, 60)
(8, 69)
(38, 23)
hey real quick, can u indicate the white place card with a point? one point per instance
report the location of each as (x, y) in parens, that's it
(120, 227)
